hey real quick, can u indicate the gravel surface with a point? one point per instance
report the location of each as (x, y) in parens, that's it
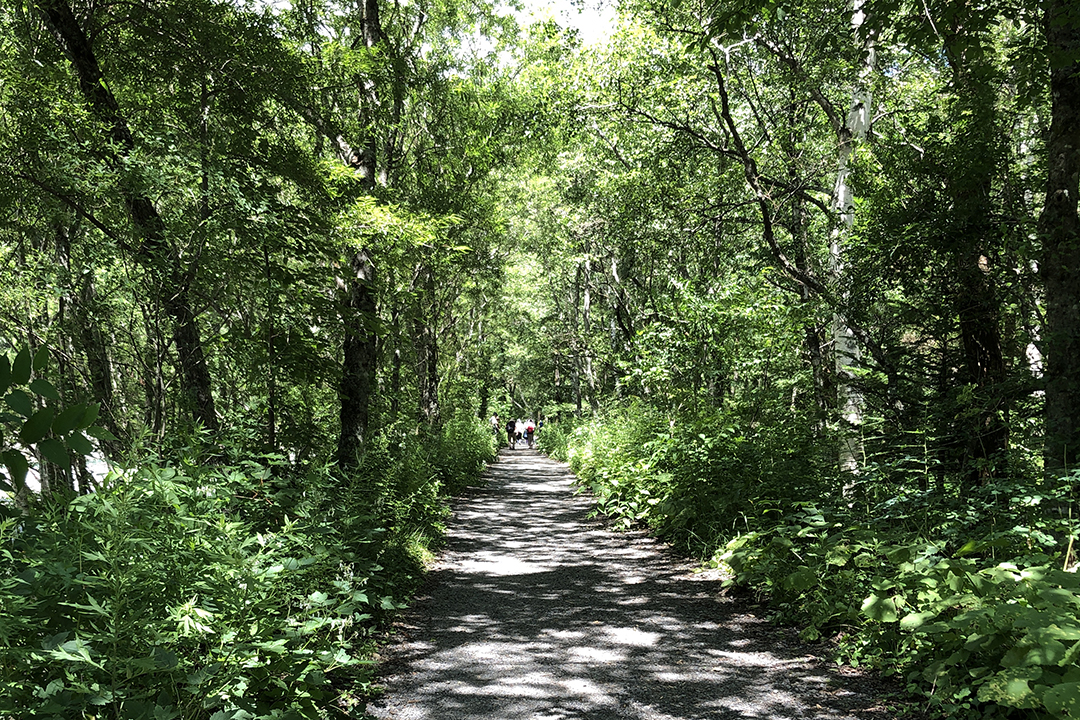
(536, 611)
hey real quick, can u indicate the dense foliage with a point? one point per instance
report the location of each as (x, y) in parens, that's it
(796, 286)
(811, 277)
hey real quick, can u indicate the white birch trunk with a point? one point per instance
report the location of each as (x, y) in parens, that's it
(845, 347)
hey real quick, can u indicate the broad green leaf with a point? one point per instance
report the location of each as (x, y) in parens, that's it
(1063, 700)
(17, 466)
(55, 452)
(913, 621)
(67, 419)
(1011, 688)
(41, 360)
(1072, 655)
(20, 369)
(44, 388)
(165, 658)
(80, 444)
(99, 433)
(37, 427)
(89, 416)
(20, 402)
(969, 547)
(801, 580)
(880, 608)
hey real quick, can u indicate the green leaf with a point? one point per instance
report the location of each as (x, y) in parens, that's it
(1071, 656)
(41, 360)
(80, 444)
(55, 452)
(76, 651)
(99, 433)
(67, 419)
(20, 369)
(20, 402)
(1011, 688)
(37, 427)
(913, 621)
(969, 547)
(89, 416)
(44, 388)
(17, 466)
(1048, 653)
(5, 373)
(882, 609)
(1063, 700)
(801, 580)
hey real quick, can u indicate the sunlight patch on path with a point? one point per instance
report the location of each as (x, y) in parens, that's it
(535, 611)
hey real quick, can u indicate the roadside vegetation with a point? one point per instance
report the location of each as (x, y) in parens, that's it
(795, 285)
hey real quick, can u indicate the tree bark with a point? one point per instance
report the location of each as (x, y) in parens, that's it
(152, 251)
(972, 235)
(359, 358)
(1060, 230)
(847, 354)
(427, 352)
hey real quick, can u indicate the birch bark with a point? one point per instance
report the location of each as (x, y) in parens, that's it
(846, 349)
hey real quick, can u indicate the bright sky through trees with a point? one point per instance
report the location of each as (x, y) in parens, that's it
(593, 20)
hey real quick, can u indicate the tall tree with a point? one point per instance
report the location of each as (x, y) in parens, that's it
(151, 248)
(1059, 226)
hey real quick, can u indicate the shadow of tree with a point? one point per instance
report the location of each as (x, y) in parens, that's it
(537, 611)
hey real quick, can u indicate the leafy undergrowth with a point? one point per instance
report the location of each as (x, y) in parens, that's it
(970, 600)
(214, 592)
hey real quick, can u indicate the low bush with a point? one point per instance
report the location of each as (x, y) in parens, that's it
(220, 593)
(970, 599)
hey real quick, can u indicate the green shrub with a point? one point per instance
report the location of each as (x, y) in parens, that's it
(149, 598)
(957, 594)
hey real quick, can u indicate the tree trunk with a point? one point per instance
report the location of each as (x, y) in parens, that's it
(359, 347)
(1060, 230)
(152, 251)
(427, 352)
(847, 353)
(359, 357)
(972, 234)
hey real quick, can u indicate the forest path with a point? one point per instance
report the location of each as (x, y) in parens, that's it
(534, 611)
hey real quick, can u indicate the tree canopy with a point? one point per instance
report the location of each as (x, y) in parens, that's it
(795, 285)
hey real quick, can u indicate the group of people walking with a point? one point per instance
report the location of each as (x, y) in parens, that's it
(516, 430)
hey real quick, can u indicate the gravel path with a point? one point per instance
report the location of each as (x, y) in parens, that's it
(537, 612)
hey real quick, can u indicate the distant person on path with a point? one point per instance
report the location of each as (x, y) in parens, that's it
(529, 430)
(496, 425)
(511, 426)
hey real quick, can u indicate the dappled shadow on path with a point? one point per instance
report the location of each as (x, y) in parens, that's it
(536, 611)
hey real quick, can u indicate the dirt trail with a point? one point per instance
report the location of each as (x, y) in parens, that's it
(536, 612)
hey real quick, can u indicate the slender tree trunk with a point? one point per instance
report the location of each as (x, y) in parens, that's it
(1060, 230)
(427, 352)
(152, 250)
(847, 352)
(271, 354)
(360, 347)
